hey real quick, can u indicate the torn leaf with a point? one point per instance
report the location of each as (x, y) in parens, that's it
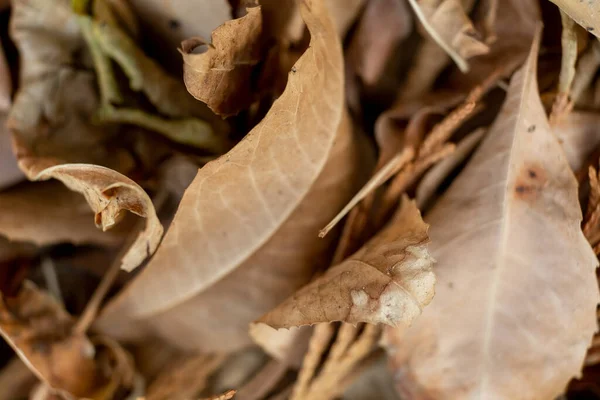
(221, 76)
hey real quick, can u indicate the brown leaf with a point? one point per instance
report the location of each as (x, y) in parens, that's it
(512, 264)
(48, 213)
(16, 380)
(388, 281)
(221, 76)
(515, 25)
(108, 193)
(579, 136)
(169, 22)
(449, 26)
(270, 192)
(55, 102)
(39, 330)
(343, 13)
(9, 170)
(373, 43)
(585, 13)
(5, 82)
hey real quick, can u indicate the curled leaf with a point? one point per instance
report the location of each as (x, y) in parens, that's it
(221, 76)
(108, 193)
(268, 193)
(388, 281)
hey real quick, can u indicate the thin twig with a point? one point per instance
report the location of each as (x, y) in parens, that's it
(385, 173)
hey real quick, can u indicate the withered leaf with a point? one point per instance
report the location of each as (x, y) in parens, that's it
(579, 136)
(169, 22)
(39, 330)
(9, 170)
(373, 44)
(513, 265)
(55, 101)
(108, 193)
(585, 13)
(269, 193)
(388, 281)
(221, 76)
(449, 26)
(5, 82)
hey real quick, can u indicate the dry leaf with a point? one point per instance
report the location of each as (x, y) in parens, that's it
(15, 380)
(39, 330)
(579, 135)
(388, 281)
(373, 43)
(344, 13)
(585, 13)
(48, 213)
(515, 25)
(55, 102)
(266, 194)
(9, 170)
(108, 193)
(222, 75)
(169, 22)
(449, 26)
(5, 82)
(512, 266)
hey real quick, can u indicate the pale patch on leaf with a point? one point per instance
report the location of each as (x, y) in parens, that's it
(270, 192)
(388, 281)
(509, 223)
(221, 76)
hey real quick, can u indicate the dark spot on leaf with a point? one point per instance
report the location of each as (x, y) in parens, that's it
(589, 28)
(530, 182)
(531, 128)
(294, 70)
(174, 24)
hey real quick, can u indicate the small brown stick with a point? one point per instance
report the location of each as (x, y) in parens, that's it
(317, 346)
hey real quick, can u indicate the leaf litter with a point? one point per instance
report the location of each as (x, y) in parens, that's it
(367, 199)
